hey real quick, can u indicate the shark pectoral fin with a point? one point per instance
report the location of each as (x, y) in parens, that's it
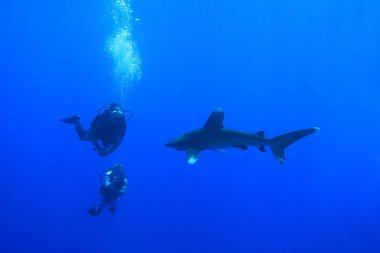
(192, 155)
(220, 151)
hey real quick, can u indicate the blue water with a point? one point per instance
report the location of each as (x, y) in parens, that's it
(272, 65)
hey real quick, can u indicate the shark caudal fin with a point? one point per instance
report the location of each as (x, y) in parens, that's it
(279, 143)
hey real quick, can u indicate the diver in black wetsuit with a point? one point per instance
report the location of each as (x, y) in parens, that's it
(108, 127)
(113, 185)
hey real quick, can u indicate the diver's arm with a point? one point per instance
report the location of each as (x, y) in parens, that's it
(99, 148)
(113, 146)
(124, 186)
(118, 142)
(94, 125)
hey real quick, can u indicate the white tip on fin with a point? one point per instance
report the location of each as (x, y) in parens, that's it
(192, 160)
(192, 155)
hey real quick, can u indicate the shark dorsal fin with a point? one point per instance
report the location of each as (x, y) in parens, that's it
(261, 133)
(215, 120)
(192, 155)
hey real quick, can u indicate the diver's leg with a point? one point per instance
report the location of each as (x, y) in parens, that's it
(83, 134)
(96, 210)
(112, 206)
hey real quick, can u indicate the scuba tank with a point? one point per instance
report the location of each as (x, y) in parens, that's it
(109, 176)
(104, 177)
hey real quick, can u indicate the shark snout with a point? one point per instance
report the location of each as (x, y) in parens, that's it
(170, 144)
(175, 143)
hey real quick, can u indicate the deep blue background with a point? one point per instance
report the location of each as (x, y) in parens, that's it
(272, 65)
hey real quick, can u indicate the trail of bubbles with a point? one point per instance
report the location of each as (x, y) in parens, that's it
(122, 49)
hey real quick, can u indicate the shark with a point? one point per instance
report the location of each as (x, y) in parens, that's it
(214, 136)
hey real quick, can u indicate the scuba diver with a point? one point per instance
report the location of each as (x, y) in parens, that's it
(108, 127)
(113, 185)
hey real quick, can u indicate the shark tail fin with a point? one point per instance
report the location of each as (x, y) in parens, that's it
(279, 143)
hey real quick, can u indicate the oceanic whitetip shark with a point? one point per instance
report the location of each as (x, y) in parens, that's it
(214, 136)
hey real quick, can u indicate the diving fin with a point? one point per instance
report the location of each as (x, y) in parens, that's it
(71, 120)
